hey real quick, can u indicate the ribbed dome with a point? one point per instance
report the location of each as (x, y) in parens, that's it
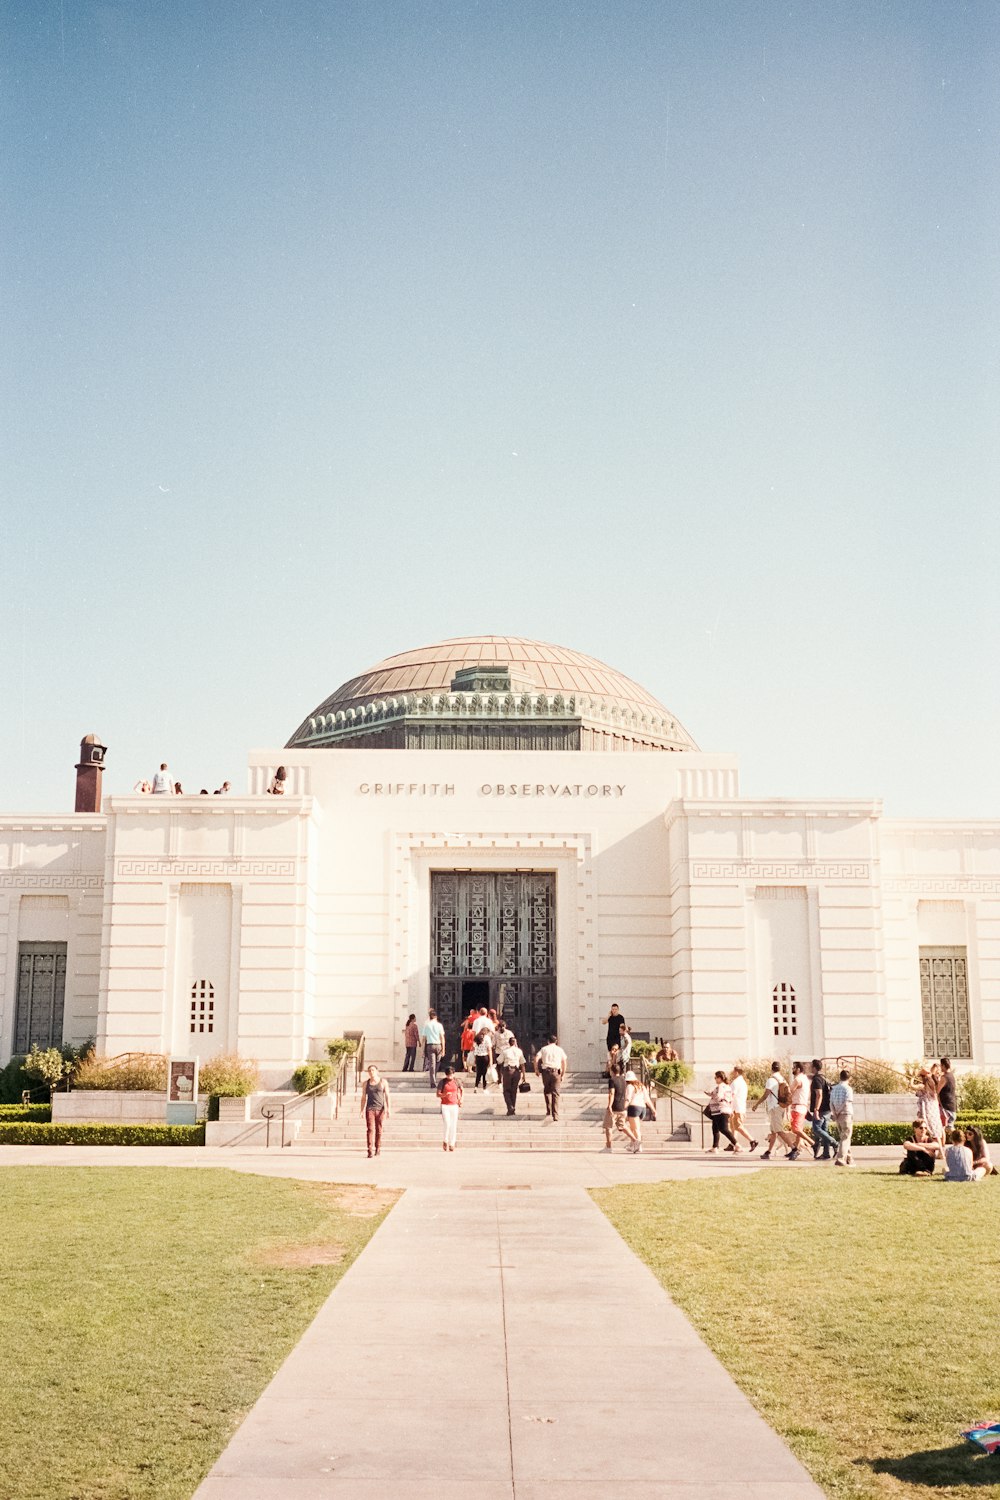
(534, 666)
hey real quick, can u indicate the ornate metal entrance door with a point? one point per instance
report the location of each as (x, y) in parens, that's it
(497, 927)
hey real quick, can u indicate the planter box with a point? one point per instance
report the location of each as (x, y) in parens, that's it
(114, 1107)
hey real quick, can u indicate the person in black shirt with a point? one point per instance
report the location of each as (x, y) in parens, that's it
(819, 1114)
(614, 1115)
(614, 1021)
(919, 1153)
(948, 1093)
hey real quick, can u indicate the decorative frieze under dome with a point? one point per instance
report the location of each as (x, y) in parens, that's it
(615, 725)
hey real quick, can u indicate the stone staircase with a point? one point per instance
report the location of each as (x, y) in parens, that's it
(415, 1121)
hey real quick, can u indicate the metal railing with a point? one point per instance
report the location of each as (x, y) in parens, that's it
(347, 1064)
(673, 1096)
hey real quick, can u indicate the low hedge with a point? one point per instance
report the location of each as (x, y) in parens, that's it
(894, 1133)
(34, 1133)
(40, 1113)
(312, 1075)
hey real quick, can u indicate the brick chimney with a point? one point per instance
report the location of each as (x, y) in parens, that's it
(90, 774)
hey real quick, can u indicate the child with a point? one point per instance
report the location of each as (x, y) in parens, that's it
(958, 1159)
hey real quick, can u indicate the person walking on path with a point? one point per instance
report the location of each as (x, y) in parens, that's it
(551, 1065)
(433, 1038)
(374, 1108)
(738, 1085)
(450, 1093)
(512, 1065)
(947, 1094)
(615, 1113)
(614, 1021)
(411, 1041)
(636, 1102)
(483, 1053)
(720, 1107)
(625, 1048)
(467, 1043)
(798, 1104)
(819, 1113)
(842, 1109)
(481, 1020)
(775, 1100)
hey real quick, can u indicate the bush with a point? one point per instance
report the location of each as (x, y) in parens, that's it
(978, 1092)
(143, 1071)
(645, 1049)
(311, 1075)
(34, 1134)
(23, 1112)
(673, 1075)
(339, 1048)
(873, 1076)
(47, 1066)
(228, 1076)
(757, 1070)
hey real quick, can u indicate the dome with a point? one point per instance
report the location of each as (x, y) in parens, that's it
(493, 678)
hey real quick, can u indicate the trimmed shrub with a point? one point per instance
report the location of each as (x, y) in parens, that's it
(41, 1113)
(131, 1074)
(34, 1134)
(894, 1133)
(339, 1047)
(645, 1049)
(673, 1075)
(228, 1076)
(978, 1092)
(311, 1075)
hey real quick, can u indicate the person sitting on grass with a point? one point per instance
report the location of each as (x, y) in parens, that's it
(958, 1160)
(982, 1162)
(919, 1153)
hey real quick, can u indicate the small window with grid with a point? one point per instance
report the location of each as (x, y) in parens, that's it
(202, 1007)
(784, 1010)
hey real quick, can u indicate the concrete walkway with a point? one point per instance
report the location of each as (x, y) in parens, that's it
(503, 1344)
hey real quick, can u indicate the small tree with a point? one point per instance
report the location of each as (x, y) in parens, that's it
(978, 1092)
(48, 1066)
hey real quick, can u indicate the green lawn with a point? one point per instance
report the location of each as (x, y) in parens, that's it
(143, 1310)
(860, 1312)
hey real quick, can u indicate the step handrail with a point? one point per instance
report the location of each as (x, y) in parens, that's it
(284, 1106)
(649, 1082)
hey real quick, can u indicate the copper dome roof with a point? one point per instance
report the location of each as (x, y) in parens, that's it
(548, 669)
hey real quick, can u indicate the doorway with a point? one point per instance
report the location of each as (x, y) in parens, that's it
(493, 944)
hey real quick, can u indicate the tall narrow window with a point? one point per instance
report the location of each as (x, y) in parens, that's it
(944, 1002)
(41, 992)
(784, 1010)
(202, 1007)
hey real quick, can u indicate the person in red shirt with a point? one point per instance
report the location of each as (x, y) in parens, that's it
(468, 1040)
(450, 1094)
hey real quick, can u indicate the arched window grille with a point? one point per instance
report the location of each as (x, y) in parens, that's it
(784, 1010)
(202, 1007)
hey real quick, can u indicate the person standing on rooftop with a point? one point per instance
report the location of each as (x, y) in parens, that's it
(163, 786)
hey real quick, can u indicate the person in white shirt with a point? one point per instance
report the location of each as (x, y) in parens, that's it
(511, 1061)
(432, 1034)
(163, 786)
(551, 1065)
(775, 1101)
(738, 1084)
(798, 1105)
(483, 1019)
(842, 1109)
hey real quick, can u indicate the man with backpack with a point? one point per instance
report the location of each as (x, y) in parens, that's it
(776, 1098)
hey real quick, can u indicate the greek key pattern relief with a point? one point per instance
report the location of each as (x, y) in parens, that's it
(28, 880)
(283, 868)
(755, 869)
(945, 885)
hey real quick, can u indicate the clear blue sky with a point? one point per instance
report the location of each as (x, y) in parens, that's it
(667, 331)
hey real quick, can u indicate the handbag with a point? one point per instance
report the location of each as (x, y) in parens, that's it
(492, 1076)
(524, 1087)
(707, 1111)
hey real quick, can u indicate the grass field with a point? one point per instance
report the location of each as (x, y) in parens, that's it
(143, 1310)
(859, 1312)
